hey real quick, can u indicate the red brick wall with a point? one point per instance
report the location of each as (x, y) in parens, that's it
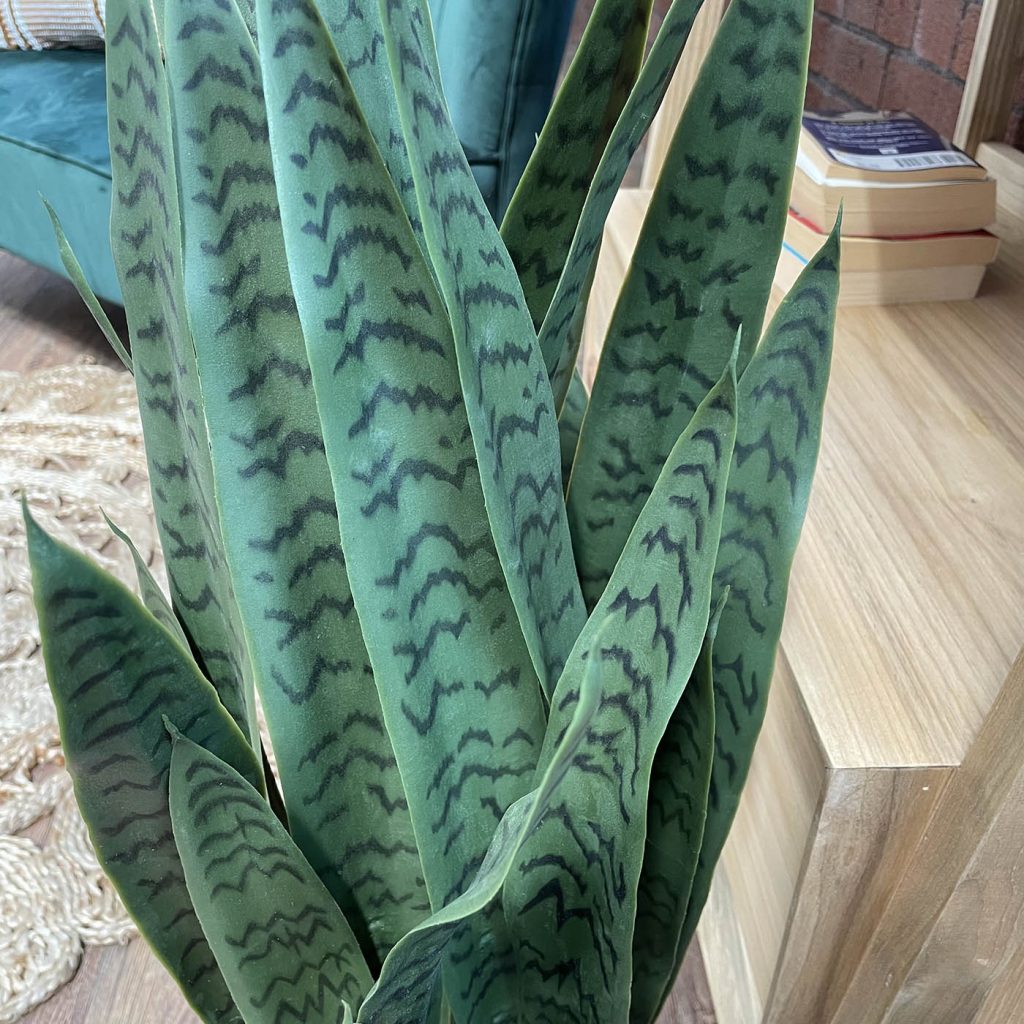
(902, 54)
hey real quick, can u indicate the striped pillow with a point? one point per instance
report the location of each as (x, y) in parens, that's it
(42, 24)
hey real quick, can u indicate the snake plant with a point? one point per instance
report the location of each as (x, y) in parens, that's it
(512, 644)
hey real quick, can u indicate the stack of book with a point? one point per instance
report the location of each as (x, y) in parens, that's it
(914, 209)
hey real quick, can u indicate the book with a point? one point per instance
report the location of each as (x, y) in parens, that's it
(893, 175)
(886, 271)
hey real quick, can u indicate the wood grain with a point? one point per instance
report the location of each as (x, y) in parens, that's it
(993, 73)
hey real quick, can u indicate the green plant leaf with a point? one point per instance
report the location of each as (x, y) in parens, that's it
(563, 325)
(145, 227)
(342, 790)
(703, 266)
(282, 944)
(572, 898)
(411, 972)
(461, 699)
(569, 422)
(676, 808)
(113, 670)
(541, 219)
(74, 272)
(152, 595)
(356, 30)
(782, 395)
(511, 413)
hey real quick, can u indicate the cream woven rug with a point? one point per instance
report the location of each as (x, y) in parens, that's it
(70, 439)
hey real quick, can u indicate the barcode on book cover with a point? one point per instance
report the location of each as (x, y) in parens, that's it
(930, 160)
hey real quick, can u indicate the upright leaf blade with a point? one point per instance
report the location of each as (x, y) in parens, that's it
(541, 219)
(77, 276)
(563, 324)
(676, 811)
(152, 596)
(401, 995)
(344, 796)
(283, 946)
(511, 413)
(569, 423)
(702, 269)
(145, 227)
(782, 395)
(114, 670)
(572, 897)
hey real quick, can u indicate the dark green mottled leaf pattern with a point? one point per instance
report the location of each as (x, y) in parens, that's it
(340, 781)
(455, 676)
(572, 898)
(542, 217)
(402, 993)
(781, 398)
(693, 280)
(676, 809)
(562, 329)
(114, 671)
(283, 946)
(507, 395)
(146, 228)
(569, 422)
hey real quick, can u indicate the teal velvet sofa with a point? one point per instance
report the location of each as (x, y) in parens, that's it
(499, 60)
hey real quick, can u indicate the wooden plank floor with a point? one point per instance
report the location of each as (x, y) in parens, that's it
(43, 323)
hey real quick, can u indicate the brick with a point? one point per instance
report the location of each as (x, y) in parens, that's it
(833, 7)
(896, 20)
(922, 91)
(822, 99)
(965, 43)
(935, 35)
(861, 13)
(853, 64)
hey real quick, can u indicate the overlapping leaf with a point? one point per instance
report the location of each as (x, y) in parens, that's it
(545, 209)
(572, 897)
(342, 789)
(676, 810)
(461, 699)
(569, 423)
(402, 994)
(508, 399)
(356, 30)
(563, 325)
(781, 398)
(114, 671)
(702, 269)
(146, 230)
(283, 946)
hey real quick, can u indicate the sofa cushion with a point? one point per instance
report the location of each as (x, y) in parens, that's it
(53, 142)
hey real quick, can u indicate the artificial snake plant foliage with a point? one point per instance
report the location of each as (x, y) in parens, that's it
(115, 671)
(455, 676)
(146, 231)
(541, 219)
(275, 496)
(692, 282)
(401, 996)
(782, 395)
(495, 808)
(569, 422)
(149, 590)
(572, 898)
(562, 330)
(676, 810)
(283, 945)
(509, 403)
